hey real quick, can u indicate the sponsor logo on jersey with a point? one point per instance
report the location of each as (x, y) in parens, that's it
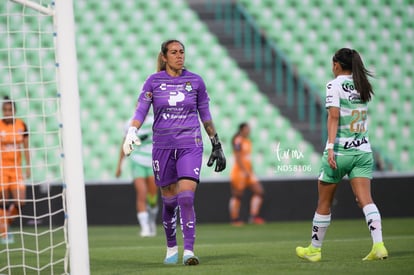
(348, 86)
(186, 86)
(355, 98)
(329, 99)
(175, 97)
(197, 171)
(174, 109)
(166, 116)
(355, 143)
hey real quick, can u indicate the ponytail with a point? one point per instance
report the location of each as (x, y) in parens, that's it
(360, 76)
(350, 60)
(161, 65)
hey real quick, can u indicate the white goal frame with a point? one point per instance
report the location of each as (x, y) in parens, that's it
(66, 61)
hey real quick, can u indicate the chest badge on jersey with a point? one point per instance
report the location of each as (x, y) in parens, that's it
(188, 87)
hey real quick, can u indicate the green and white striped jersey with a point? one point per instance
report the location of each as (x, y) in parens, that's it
(142, 154)
(352, 135)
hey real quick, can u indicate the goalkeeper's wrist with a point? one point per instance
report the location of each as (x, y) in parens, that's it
(215, 142)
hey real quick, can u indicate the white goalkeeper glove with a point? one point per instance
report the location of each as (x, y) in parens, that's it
(131, 138)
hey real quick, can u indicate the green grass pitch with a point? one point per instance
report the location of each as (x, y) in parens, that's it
(255, 249)
(223, 249)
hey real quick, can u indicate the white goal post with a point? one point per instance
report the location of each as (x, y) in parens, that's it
(69, 132)
(71, 137)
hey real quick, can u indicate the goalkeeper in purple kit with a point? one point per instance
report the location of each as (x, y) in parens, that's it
(178, 98)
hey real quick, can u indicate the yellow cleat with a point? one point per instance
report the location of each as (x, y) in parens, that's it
(309, 253)
(378, 252)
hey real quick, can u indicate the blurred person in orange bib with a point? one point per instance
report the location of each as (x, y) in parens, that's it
(14, 139)
(242, 177)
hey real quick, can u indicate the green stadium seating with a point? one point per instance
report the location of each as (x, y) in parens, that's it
(309, 32)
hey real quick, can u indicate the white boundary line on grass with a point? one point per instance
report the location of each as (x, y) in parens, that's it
(260, 243)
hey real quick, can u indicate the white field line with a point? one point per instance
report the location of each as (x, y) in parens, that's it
(162, 245)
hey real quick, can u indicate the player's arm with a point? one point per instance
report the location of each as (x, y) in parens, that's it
(210, 129)
(332, 123)
(141, 111)
(217, 154)
(120, 159)
(26, 152)
(332, 104)
(332, 126)
(238, 156)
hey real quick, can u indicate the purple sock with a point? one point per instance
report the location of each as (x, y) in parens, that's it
(169, 219)
(188, 219)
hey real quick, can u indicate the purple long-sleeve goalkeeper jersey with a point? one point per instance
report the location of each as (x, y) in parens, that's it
(177, 102)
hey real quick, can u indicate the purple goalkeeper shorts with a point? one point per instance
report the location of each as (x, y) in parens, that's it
(171, 165)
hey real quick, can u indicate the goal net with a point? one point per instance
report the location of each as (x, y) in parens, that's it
(36, 227)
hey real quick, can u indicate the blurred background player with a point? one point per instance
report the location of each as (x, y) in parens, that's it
(141, 169)
(242, 177)
(14, 139)
(178, 97)
(347, 152)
